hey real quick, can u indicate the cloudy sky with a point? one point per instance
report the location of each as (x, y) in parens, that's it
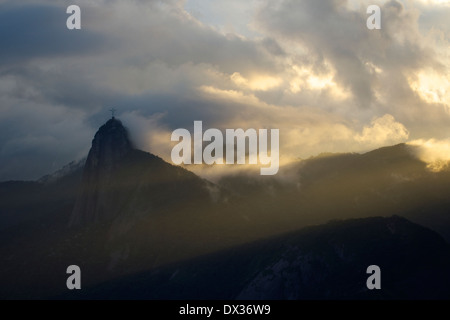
(309, 68)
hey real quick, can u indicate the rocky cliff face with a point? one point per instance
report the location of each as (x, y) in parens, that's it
(99, 187)
(124, 184)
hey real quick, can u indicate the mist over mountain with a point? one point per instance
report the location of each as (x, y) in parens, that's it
(383, 182)
(126, 216)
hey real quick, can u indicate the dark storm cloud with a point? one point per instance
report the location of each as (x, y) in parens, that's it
(41, 129)
(38, 138)
(33, 31)
(58, 86)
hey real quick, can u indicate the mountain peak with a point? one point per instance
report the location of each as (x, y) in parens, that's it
(109, 147)
(113, 128)
(110, 144)
(121, 182)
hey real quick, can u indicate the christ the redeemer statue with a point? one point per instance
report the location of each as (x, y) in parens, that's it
(113, 111)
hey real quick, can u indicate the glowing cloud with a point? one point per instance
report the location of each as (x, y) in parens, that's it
(305, 79)
(384, 130)
(257, 83)
(436, 153)
(432, 87)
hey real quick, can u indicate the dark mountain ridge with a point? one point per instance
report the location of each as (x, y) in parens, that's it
(321, 262)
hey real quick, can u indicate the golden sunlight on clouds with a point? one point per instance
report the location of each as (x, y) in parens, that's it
(306, 79)
(436, 153)
(383, 131)
(231, 95)
(432, 2)
(432, 87)
(257, 83)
